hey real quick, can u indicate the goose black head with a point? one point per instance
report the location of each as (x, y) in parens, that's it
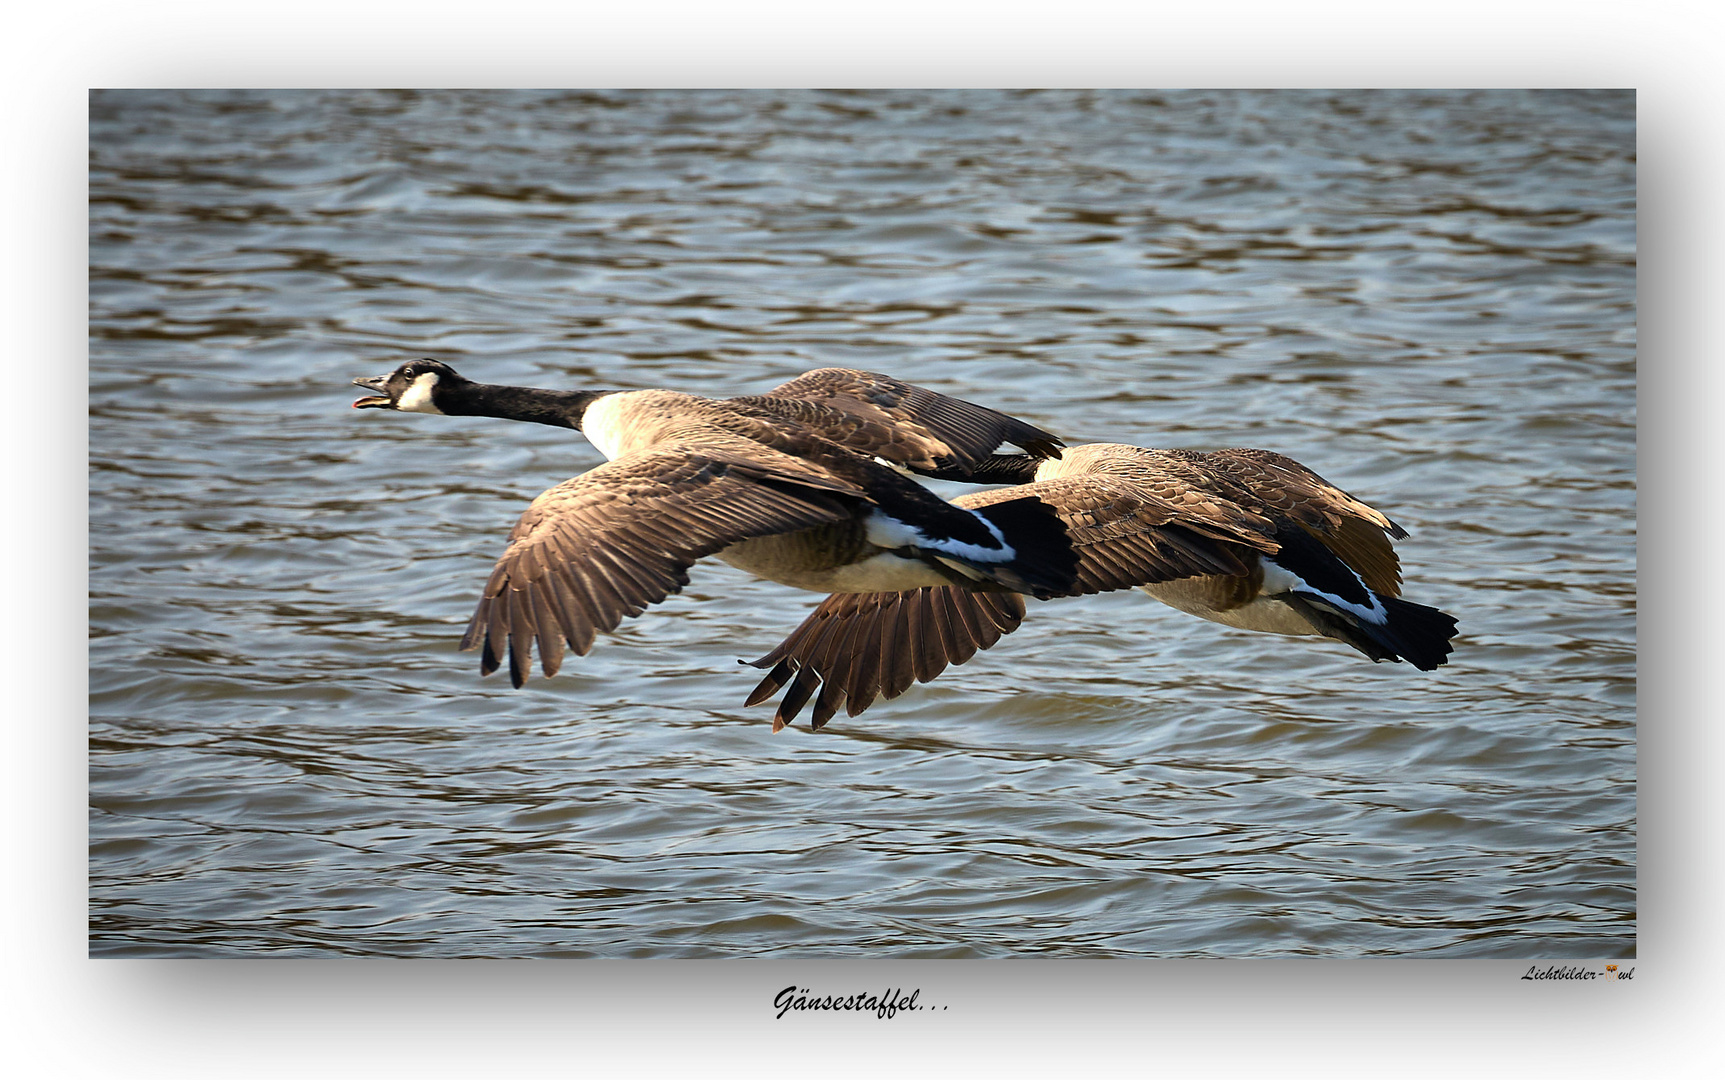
(413, 387)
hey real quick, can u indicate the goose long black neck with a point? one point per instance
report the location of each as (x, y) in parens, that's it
(559, 408)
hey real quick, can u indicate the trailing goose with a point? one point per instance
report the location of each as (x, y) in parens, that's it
(800, 485)
(1246, 538)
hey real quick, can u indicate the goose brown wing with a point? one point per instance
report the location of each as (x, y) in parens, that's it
(1355, 532)
(606, 545)
(856, 647)
(921, 429)
(1130, 532)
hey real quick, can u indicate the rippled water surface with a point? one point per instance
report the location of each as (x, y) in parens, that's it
(1427, 297)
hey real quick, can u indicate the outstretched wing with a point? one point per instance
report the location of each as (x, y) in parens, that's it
(918, 428)
(859, 646)
(1356, 533)
(1126, 533)
(606, 545)
(855, 647)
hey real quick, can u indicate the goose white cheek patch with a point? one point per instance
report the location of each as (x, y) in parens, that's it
(418, 396)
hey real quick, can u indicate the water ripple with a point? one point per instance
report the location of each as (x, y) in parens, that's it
(1429, 297)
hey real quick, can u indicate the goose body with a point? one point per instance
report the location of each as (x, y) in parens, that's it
(1246, 538)
(860, 554)
(801, 486)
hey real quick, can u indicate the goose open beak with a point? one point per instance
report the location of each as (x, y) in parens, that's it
(375, 382)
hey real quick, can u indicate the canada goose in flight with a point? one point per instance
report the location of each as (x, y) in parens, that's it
(1246, 538)
(797, 485)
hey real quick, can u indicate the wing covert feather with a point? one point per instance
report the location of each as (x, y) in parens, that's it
(921, 429)
(604, 546)
(1356, 533)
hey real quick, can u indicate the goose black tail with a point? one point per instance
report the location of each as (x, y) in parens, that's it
(1419, 634)
(1412, 632)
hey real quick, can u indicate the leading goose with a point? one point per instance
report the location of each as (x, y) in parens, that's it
(799, 486)
(1246, 538)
